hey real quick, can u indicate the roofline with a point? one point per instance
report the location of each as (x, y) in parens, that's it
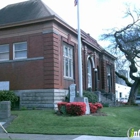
(53, 17)
(106, 52)
(27, 22)
(91, 45)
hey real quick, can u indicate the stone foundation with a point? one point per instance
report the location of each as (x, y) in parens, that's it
(41, 99)
(5, 109)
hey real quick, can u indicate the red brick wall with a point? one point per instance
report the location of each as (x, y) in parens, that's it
(35, 43)
(51, 61)
(24, 74)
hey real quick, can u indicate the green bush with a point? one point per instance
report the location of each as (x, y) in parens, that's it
(23, 108)
(63, 109)
(105, 104)
(6, 95)
(92, 97)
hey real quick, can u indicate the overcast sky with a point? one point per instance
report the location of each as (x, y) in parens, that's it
(95, 15)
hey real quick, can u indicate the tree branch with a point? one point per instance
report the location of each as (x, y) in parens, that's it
(124, 78)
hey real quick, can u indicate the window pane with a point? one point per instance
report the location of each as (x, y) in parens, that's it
(4, 48)
(66, 51)
(4, 56)
(4, 52)
(70, 68)
(20, 54)
(21, 46)
(70, 52)
(67, 69)
(20, 50)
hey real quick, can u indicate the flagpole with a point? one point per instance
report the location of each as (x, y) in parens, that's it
(79, 51)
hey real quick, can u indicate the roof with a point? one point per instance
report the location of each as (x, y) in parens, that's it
(25, 11)
(90, 40)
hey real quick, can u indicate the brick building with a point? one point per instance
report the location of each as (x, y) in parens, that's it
(39, 58)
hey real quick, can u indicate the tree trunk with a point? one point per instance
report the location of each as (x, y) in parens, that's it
(133, 92)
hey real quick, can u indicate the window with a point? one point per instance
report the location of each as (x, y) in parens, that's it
(89, 74)
(68, 61)
(120, 94)
(20, 50)
(4, 52)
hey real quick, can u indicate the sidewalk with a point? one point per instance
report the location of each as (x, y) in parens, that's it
(58, 137)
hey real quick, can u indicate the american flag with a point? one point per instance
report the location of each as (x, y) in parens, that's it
(75, 2)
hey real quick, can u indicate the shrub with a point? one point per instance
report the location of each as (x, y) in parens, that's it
(98, 105)
(105, 104)
(92, 97)
(62, 107)
(76, 108)
(93, 108)
(8, 96)
(23, 108)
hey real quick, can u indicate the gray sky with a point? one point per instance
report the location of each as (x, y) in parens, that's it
(95, 15)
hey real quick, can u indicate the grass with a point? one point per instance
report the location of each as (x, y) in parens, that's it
(8, 139)
(116, 123)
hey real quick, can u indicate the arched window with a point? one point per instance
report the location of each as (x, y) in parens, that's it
(89, 73)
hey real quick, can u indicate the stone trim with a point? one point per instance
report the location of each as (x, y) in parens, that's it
(41, 98)
(5, 109)
(26, 59)
(50, 31)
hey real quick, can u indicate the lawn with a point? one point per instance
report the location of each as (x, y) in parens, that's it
(8, 139)
(116, 123)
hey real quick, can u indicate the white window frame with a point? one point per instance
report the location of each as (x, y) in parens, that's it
(69, 58)
(89, 72)
(5, 52)
(14, 51)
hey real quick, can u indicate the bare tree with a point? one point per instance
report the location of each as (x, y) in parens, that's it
(125, 42)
